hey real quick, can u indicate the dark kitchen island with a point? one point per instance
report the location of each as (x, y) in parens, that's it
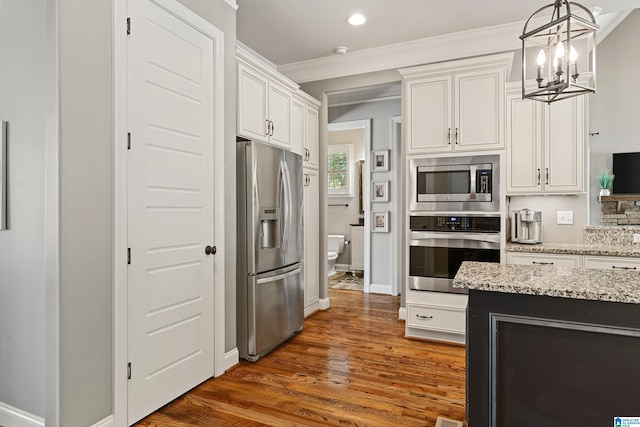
(551, 346)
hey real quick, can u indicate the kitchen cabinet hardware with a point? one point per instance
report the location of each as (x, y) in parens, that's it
(423, 316)
(542, 263)
(624, 268)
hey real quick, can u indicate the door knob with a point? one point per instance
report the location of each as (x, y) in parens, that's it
(210, 250)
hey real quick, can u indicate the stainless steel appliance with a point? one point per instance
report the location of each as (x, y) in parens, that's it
(526, 226)
(449, 184)
(270, 293)
(438, 244)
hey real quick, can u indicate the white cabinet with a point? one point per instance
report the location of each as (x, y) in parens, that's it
(522, 258)
(611, 263)
(357, 247)
(545, 145)
(311, 136)
(264, 107)
(311, 241)
(456, 106)
(436, 315)
(305, 128)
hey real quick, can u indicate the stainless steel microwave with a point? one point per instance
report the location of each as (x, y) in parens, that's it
(454, 184)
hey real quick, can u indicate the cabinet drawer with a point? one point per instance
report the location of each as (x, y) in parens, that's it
(444, 319)
(611, 263)
(570, 261)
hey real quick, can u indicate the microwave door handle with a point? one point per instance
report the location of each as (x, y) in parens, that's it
(472, 183)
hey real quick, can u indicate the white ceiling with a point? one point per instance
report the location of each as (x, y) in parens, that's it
(291, 31)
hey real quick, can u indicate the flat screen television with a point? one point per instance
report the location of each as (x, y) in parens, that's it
(626, 168)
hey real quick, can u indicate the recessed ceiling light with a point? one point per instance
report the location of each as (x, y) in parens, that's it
(356, 19)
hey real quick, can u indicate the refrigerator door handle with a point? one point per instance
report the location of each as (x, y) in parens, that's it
(287, 211)
(279, 276)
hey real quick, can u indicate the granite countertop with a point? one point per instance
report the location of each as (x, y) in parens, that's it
(578, 283)
(577, 249)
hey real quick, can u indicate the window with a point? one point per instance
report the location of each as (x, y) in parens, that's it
(339, 170)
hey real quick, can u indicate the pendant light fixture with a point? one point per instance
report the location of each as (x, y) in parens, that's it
(560, 53)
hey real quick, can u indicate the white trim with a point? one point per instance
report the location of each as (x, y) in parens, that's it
(366, 125)
(396, 205)
(232, 3)
(366, 101)
(464, 44)
(309, 310)
(343, 267)
(402, 313)
(14, 417)
(324, 303)
(120, 348)
(107, 422)
(231, 358)
(375, 288)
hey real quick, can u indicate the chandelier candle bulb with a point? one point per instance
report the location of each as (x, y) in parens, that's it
(573, 57)
(541, 60)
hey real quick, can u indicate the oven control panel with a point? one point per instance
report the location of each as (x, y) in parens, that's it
(452, 223)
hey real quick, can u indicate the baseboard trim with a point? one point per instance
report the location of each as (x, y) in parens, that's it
(231, 358)
(343, 267)
(308, 311)
(107, 422)
(380, 289)
(324, 304)
(402, 313)
(14, 417)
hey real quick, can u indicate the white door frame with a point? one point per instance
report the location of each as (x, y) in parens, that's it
(397, 205)
(366, 178)
(120, 320)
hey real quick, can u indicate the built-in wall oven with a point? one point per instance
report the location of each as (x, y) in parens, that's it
(454, 184)
(438, 244)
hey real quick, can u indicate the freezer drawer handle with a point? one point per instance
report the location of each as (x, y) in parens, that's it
(424, 317)
(210, 250)
(279, 276)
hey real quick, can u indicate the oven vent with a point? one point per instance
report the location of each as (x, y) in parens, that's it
(446, 422)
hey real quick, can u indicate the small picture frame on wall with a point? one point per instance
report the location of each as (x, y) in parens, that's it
(380, 191)
(379, 222)
(380, 160)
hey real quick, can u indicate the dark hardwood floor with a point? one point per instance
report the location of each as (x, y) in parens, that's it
(350, 366)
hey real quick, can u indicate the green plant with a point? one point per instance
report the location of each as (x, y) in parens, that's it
(605, 178)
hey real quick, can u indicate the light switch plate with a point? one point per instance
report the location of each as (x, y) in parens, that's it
(565, 217)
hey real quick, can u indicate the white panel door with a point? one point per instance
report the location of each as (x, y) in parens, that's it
(170, 208)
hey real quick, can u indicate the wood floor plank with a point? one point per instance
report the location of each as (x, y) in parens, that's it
(350, 366)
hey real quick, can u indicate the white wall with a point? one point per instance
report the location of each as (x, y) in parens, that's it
(339, 218)
(22, 286)
(615, 107)
(380, 113)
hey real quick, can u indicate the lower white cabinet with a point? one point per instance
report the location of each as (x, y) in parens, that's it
(357, 247)
(436, 315)
(311, 241)
(611, 263)
(571, 261)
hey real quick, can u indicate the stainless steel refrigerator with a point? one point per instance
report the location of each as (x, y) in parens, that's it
(270, 289)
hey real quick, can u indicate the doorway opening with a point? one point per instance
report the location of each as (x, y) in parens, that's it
(366, 123)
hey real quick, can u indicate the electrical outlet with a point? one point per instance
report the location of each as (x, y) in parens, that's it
(636, 238)
(565, 217)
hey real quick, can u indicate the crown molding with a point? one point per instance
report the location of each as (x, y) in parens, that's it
(464, 44)
(232, 3)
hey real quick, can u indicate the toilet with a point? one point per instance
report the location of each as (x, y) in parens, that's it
(335, 246)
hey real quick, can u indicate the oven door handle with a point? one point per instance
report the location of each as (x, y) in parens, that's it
(481, 237)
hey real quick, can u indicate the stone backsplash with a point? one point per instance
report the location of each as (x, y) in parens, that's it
(620, 210)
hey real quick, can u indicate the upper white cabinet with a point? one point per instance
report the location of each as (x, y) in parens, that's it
(545, 145)
(264, 102)
(305, 128)
(455, 106)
